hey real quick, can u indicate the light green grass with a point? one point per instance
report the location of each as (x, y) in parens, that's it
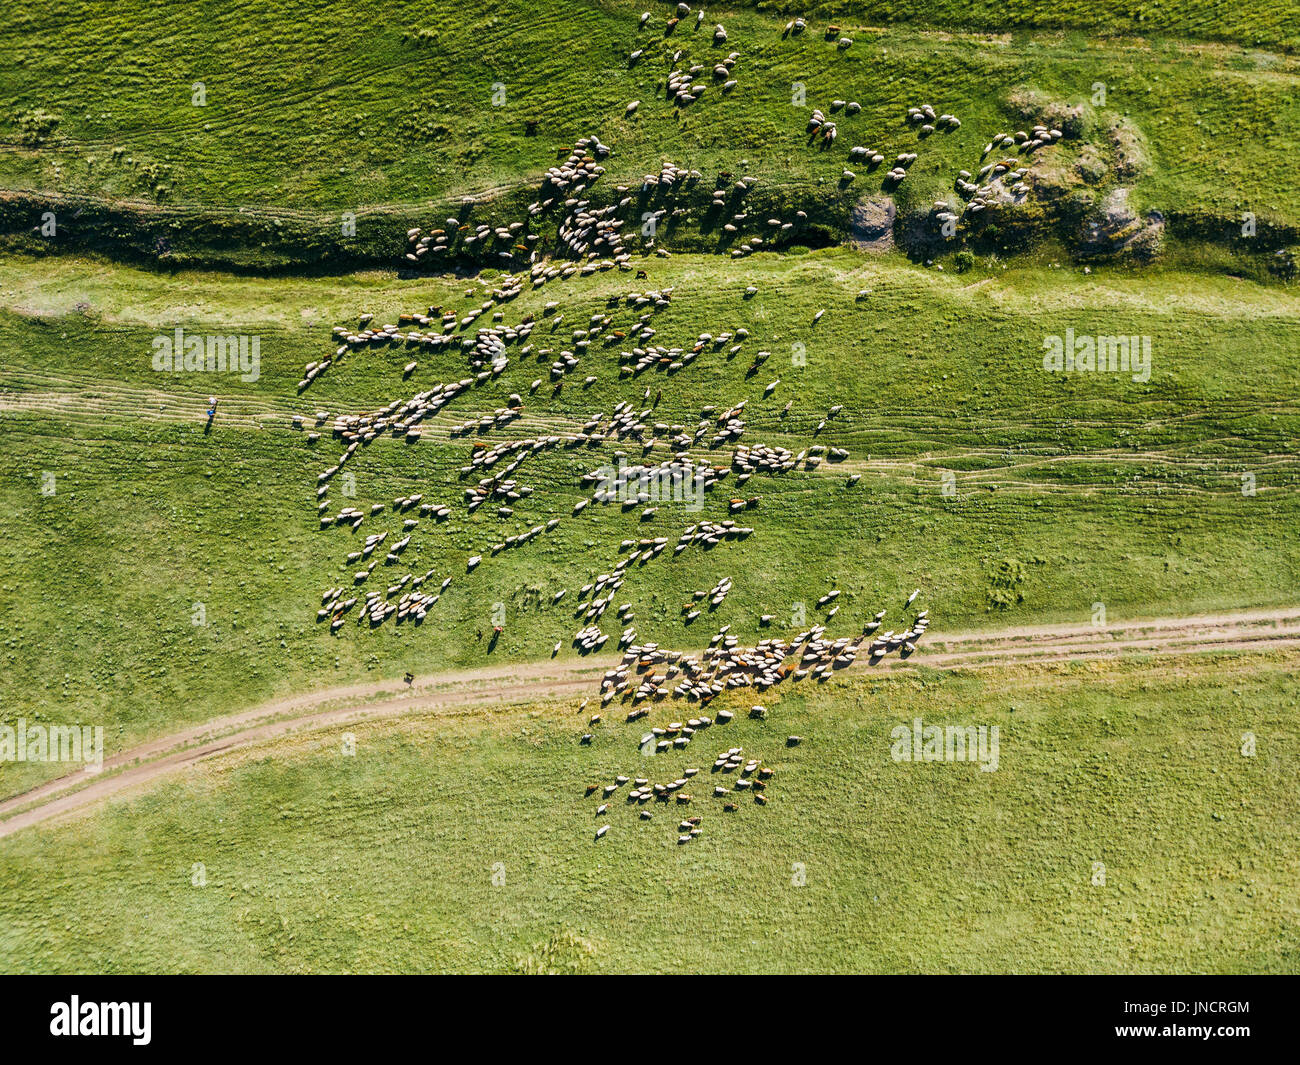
(1067, 491)
(1102, 490)
(385, 860)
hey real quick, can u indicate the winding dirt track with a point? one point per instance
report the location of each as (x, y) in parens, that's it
(515, 683)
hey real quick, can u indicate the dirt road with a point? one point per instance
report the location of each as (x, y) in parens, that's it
(526, 682)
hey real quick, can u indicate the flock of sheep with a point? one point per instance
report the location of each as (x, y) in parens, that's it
(1002, 182)
(751, 776)
(486, 350)
(566, 232)
(565, 235)
(648, 674)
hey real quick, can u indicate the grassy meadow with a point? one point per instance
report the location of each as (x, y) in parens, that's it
(253, 169)
(189, 137)
(449, 844)
(1084, 488)
(1266, 23)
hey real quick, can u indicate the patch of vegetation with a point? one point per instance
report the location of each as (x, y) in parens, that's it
(565, 954)
(1268, 22)
(1075, 120)
(1005, 579)
(35, 127)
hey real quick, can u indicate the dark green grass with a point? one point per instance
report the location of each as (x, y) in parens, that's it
(330, 110)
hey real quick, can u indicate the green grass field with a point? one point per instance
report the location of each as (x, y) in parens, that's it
(1259, 24)
(463, 843)
(392, 112)
(1093, 489)
(253, 170)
